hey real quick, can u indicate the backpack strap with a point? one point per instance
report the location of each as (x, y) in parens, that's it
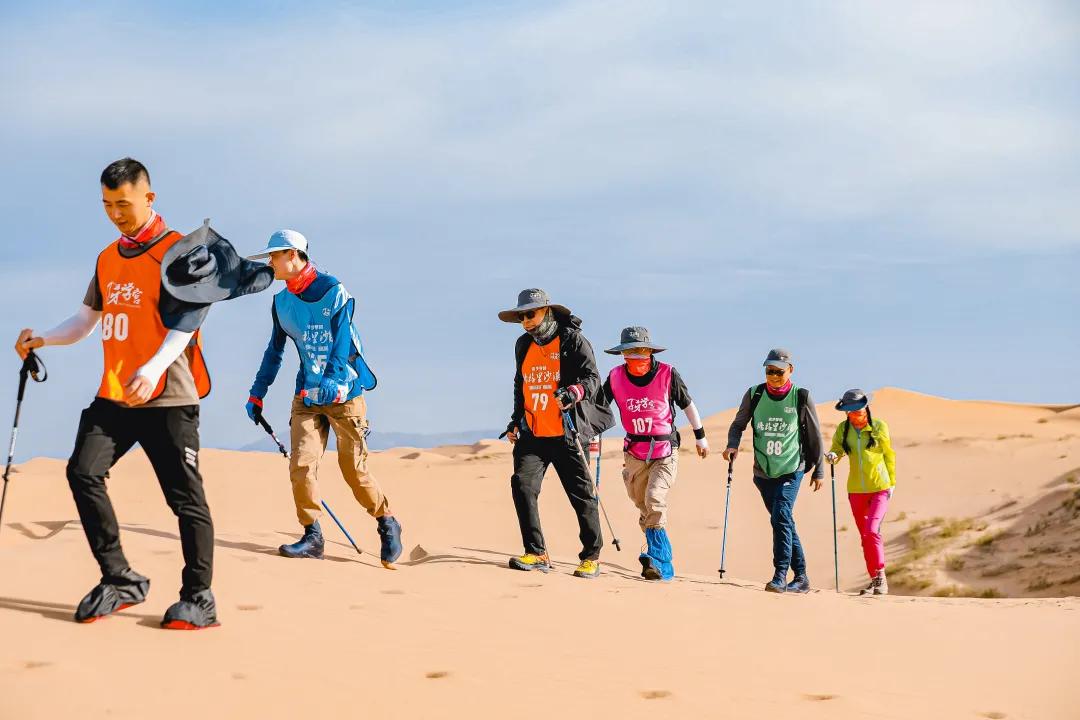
(755, 398)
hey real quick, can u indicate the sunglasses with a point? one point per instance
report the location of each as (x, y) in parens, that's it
(527, 315)
(775, 371)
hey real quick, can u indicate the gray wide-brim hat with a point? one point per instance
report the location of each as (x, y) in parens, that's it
(633, 338)
(203, 268)
(531, 299)
(853, 401)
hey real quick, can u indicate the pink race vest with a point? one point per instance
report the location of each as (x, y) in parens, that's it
(645, 411)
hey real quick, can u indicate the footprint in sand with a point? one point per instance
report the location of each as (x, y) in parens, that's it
(411, 456)
(437, 675)
(818, 697)
(356, 607)
(655, 694)
(994, 715)
(35, 664)
(393, 592)
(239, 676)
(531, 585)
(247, 608)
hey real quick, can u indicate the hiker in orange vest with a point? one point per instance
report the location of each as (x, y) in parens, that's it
(153, 379)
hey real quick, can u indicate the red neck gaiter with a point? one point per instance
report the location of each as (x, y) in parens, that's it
(857, 419)
(303, 281)
(153, 227)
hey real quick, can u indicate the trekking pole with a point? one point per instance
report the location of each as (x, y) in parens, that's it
(727, 503)
(270, 431)
(31, 367)
(588, 471)
(835, 548)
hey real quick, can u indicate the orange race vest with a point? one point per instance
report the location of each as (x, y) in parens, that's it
(540, 373)
(131, 327)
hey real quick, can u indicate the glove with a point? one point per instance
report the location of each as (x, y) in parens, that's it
(832, 458)
(891, 491)
(568, 397)
(254, 408)
(331, 392)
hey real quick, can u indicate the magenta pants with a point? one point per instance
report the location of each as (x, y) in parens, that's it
(869, 511)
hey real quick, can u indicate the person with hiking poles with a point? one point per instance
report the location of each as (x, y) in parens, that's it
(871, 478)
(787, 445)
(555, 379)
(316, 312)
(646, 392)
(154, 377)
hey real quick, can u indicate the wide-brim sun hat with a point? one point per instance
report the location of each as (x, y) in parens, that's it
(531, 299)
(635, 337)
(203, 268)
(852, 401)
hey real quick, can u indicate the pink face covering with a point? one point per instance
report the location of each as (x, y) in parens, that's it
(786, 387)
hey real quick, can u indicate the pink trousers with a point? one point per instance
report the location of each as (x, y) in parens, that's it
(869, 511)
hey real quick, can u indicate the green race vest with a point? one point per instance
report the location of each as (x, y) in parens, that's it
(776, 434)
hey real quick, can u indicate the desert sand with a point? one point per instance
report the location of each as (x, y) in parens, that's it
(987, 504)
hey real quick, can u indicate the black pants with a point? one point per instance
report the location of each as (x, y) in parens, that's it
(532, 455)
(170, 438)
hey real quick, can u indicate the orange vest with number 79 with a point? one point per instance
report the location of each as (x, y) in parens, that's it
(131, 326)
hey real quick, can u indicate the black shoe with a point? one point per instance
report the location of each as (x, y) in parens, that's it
(390, 536)
(113, 594)
(778, 584)
(309, 546)
(193, 611)
(801, 584)
(649, 571)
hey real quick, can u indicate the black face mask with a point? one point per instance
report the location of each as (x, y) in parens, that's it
(546, 330)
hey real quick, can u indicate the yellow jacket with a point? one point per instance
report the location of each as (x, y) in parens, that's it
(870, 469)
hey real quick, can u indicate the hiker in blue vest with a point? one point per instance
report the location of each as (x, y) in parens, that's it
(787, 444)
(316, 313)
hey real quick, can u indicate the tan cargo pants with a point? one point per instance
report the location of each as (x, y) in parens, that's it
(647, 484)
(310, 429)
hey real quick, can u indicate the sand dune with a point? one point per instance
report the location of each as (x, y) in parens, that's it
(453, 633)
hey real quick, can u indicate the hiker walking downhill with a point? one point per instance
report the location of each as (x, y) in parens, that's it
(871, 478)
(646, 392)
(787, 444)
(316, 312)
(149, 394)
(555, 379)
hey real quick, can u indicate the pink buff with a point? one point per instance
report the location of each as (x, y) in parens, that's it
(869, 511)
(779, 391)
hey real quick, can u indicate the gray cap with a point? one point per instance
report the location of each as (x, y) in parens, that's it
(853, 401)
(531, 299)
(633, 338)
(778, 357)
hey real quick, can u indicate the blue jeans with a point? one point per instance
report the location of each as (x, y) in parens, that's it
(779, 495)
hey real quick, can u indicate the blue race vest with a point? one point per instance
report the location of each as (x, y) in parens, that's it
(308, 325)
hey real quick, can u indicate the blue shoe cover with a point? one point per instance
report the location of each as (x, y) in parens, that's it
(660, 551)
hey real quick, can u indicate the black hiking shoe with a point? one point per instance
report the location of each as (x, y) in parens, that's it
(309, 546)
(113, 594)
(194, 611)
(648, 569)
(801, 584)
(778, 584)
(390, 537)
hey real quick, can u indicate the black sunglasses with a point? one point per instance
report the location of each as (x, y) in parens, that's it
(527, 315)
(775, 371)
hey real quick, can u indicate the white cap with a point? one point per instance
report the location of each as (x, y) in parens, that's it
(282, 240)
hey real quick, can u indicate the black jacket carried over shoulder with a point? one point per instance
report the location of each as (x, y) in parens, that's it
(577, 366)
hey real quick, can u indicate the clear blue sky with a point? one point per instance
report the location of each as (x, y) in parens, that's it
(891, 191)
